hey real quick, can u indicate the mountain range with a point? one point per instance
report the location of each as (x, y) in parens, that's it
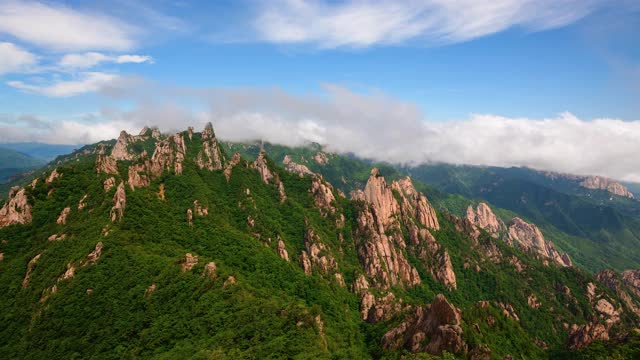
(184, 246)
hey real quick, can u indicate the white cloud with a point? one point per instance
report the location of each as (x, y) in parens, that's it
(14, 58)
(363, 23)
(372, 126)
(59, 27)
(91, 59)
(85, 83)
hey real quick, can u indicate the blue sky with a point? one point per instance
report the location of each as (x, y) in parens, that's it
(76, 71)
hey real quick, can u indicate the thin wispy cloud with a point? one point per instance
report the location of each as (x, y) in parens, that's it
(83, 83)
(91, 59)
(364, 23)
(62, 28)
(15, 59)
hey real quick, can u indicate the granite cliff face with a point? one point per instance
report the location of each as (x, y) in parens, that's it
(602, 183)
(17, 209)
(484, 218)
(529, 238)
(434, 329)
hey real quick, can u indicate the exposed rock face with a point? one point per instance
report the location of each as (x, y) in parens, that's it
(316, 255)
(119, 203)
(322, 193)
(161, 193)
(529, 238)
(415, 204)
(584, 335)
(433, 329)
(210, 157)
(81, 204)
(190, 217)
(261, 165)
(109, 184)
(631, 278)
(188, 262)
(321, 158)
(235, 160)
(295, 168)
(381, 198)
(169, 153)
(150, 290)
(54, 175)
(17, 209)
(56, 237)
(611, 280)
(533, 302)
(210, 270)
(379, 225)
(120, 150)
(484, 218)
(137, 176)
(93, 256)
(282, 251)
(62, 219)
(106, 164)
(30, 265)
(602, 183)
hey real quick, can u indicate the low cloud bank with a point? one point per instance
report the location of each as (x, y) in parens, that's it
(372, 126)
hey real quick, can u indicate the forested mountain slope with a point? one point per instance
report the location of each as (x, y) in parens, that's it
(172, 246)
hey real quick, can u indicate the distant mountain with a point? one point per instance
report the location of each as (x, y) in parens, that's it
(46, 152)
(13, 162)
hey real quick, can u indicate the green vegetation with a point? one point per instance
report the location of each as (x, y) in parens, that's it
(272, 310)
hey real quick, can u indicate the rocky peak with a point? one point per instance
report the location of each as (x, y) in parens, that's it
(484, 218)
(235, 160)
(120, 150)
(169, 153)
(631, 278)
(529, 238)
(119, 203)
(602, 183)
(322, 193)
(295, 168)
(381, 198)
(321, 158)
(434, 329)
(415, 204)
(17, 209)
(210, 157)
(261, 165)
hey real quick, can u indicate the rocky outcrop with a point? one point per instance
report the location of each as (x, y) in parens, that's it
(529, 238)
(415, 204)
(321, 158)
(602, 183)
(282, 251)
(17, 209)
(199, 209)
(210, 157)
(93, 256)
(109, 184)
(169, 154)
(210, 270)
(484, 218)
(62, 219)
(295, 168)
(30, 266)
(106, 164)
(631, 278)
(582, 336)
(433, 329)
(316, 255)
(379, 195)
(261, 165)
(81, 204)
(322, 193)
(54, 175)
(138, 177)
(235, 160)
(120, 150)
(617, 284)
(188, 262)
(119, 203)
(56, 237)
(161, 192)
